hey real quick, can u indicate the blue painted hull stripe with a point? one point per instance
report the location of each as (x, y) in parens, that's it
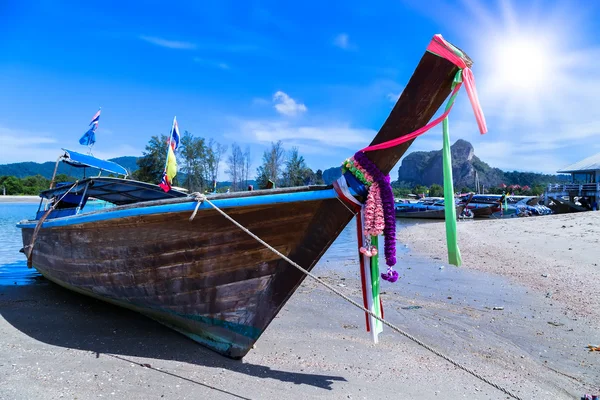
(315, 195)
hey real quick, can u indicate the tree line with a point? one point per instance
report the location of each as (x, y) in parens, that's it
(200, 160)
(31, 185)
(285, 169)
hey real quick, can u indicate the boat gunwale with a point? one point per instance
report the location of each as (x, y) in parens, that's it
(182, 204)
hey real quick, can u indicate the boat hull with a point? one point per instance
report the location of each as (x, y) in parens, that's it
(206, 278)
(427, 214)
(481, 212)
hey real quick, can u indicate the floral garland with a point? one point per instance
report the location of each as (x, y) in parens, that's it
(374, 218)
(358, 171)
(379, 209)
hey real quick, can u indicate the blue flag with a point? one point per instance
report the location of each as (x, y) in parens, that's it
(89, 138)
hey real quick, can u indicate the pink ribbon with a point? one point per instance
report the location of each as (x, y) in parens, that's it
(412, 135)
(443, 49)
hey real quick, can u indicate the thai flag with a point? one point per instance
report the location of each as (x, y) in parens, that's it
(171, 164)
(96, 118)
(164, 183)
(89, 138)
(175, 135)
(170, 170)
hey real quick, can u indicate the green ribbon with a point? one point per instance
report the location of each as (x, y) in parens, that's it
(375, 284)
(454, 257)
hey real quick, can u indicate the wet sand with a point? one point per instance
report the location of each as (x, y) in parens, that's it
(58, 344)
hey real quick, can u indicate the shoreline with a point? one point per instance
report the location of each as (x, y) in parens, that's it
(555, 255)
(19, 199)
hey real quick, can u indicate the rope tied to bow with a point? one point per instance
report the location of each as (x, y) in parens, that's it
(29, 247)
(199, 198)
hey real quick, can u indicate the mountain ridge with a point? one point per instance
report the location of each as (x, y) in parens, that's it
(425, 168)
(46, 169)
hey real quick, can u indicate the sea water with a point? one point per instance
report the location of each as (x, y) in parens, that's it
(345, 246)
(13, 264)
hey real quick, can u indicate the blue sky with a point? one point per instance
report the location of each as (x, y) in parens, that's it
(321, 76)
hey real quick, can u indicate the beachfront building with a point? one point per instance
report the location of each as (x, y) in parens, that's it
(584, 186)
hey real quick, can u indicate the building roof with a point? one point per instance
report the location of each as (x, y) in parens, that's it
(588, 164)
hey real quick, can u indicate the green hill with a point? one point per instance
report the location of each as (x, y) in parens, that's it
(29, 168)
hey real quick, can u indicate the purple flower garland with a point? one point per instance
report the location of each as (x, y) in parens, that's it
(387, 199)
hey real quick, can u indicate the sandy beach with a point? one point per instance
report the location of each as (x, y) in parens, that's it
(19, 199)
(555, 255)
(57, 344)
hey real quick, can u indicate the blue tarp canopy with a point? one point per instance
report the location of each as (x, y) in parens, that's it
(83, 160)
(113, 190)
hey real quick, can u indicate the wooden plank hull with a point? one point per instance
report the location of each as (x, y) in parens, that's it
(481, 212)
(205, 278)
(427, 214)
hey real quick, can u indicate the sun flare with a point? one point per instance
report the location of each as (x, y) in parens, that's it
(527, 61)
(523, 64)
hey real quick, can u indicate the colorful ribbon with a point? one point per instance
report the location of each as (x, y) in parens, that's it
(441, 48)
(365, 171)
(454, 257)
(369, 268)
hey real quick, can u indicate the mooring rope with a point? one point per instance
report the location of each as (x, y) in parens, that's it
(29, 247)
(200, 198)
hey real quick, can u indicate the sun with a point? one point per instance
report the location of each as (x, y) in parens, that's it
(524, 60)
(522, 64)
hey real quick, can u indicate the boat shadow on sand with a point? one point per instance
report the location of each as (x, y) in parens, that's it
(55, 316)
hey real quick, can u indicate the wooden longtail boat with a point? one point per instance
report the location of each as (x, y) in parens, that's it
(481, 212)
(206, 278)
(426, 214)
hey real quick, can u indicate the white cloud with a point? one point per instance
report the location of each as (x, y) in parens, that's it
(115, 151)
(170, 44)
(310, 137)
(511, 156)
(393, 97)
(20, 145)
(343, 42)
(285, 105)
(212, 63)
